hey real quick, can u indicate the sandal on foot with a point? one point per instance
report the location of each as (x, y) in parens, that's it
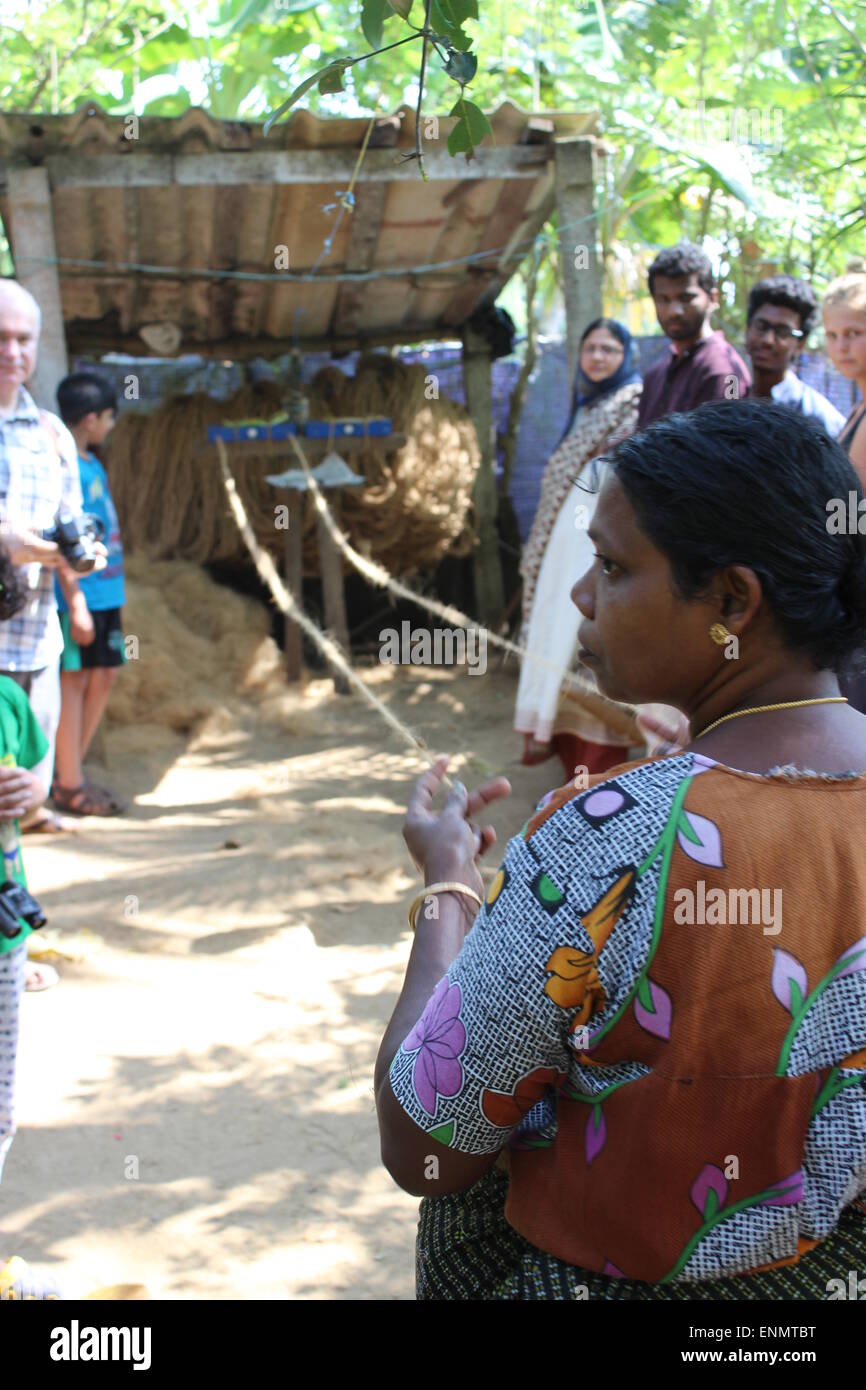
(116, 801)
(85, 800)
(44, 822)
(535, 753)
(19, 1283)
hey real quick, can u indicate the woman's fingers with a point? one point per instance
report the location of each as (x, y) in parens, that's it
(487, 793)
(488, 838)
(671, 732)
(426, 787)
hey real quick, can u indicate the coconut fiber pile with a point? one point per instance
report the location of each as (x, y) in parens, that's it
(198, 646)
(416, 506)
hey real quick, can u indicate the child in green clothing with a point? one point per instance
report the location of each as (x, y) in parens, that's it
(22, 745)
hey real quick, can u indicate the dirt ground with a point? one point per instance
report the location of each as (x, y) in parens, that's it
(195, 1098)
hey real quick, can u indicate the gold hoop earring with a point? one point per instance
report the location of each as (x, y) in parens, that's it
(719, 634)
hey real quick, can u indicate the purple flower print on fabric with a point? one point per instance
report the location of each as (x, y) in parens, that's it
(595, 1135)
(439, 1038)
(709, 1191)
(789, 982)
(653, 1009)
(786, 1193)
(699, 838)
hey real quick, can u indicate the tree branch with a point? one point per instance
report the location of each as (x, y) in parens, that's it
(424, 43)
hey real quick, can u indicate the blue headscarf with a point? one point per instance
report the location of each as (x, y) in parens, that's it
(586, 392)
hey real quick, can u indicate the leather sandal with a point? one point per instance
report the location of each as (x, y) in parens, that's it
(86, 800)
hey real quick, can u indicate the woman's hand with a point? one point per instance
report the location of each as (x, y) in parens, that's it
(447, 845)
(665, 735)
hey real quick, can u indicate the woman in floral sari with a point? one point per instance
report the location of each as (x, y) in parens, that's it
(659, 1012)
(603, 411)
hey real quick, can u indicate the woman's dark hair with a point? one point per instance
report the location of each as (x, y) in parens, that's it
(13, 594)
(788, 293)
(753, 483)
(612, 327)
(680, 261)
(81, 393)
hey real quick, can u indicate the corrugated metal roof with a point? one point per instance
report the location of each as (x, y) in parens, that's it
(149, 220)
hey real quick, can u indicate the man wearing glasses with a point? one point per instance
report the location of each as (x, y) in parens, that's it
(782, 313)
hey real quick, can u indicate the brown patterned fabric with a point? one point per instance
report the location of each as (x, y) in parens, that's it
(661, 1012)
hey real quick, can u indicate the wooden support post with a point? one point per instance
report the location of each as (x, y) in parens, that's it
(578, 240)
(31, 233)
(292, 633)
(331, 566)
(487, 567)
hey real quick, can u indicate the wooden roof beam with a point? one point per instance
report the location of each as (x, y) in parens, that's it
(139, 169)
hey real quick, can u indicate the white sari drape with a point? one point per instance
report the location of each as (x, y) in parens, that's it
(551, 635)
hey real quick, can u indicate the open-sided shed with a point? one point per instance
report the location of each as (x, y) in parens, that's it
(197, 235)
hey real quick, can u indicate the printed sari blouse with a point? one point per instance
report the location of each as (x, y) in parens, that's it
(661, 1011)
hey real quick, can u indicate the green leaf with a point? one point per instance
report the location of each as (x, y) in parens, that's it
(461, 66)
(402, 7)
(712, 1204)
(444, 20)
(332, 80)
(644, 994)
(471, 128)
(444, 1134)
(316, 80)
(248, 13)
(796, 996)
(548, 891)
(455, 12)
(684, 828)
(373, 16)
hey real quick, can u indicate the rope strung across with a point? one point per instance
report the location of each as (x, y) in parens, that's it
(378, 576)
(621, 718)
(287, 605)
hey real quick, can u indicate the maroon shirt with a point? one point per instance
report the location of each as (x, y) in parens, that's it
(702, 373)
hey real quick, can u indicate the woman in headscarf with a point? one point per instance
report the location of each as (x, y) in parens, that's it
(603, 411)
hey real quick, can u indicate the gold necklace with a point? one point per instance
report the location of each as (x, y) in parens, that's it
(763, 709)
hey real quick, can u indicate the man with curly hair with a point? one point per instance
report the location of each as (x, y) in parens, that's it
(700, 365)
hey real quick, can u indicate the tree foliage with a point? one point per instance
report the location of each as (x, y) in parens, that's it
(738, 121)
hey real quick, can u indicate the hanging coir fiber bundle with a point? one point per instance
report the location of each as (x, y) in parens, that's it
(415, 508)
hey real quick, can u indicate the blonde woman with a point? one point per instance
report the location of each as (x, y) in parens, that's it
(844, 314)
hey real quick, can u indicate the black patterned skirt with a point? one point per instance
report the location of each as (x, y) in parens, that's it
(466, 1250)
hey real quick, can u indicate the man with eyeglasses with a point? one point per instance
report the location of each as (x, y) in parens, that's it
(781, 314)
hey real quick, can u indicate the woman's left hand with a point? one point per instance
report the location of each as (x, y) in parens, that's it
(447, 845)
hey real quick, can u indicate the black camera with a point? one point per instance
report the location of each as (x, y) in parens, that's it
(76, 537)
(16, 902)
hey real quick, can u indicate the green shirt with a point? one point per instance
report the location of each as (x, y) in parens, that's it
(22, 744)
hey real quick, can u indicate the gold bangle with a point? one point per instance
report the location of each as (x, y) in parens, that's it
(451, 887)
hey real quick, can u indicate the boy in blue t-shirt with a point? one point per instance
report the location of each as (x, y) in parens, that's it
(93, 649)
